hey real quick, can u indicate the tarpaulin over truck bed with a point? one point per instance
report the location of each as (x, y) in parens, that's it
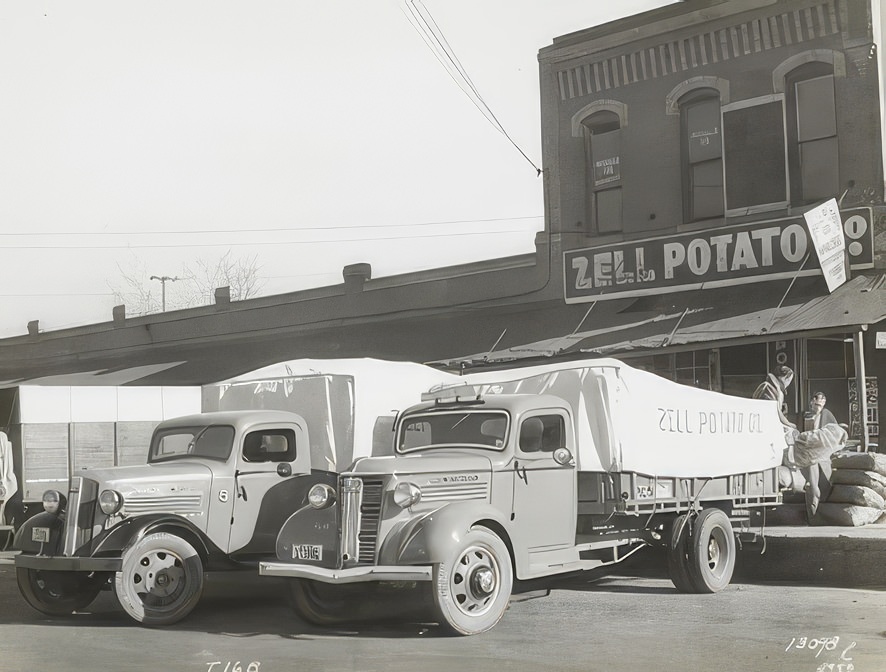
(632, 420)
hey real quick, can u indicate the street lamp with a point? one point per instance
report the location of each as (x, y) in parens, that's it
(163, 279)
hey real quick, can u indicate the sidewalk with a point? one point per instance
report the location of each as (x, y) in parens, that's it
(848, 557)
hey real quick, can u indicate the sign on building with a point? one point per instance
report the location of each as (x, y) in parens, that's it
(729, 255)
(826, 231)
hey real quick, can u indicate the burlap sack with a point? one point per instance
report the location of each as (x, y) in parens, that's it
(848, 515)
(856, 494)
(869, 479)
(818, 445)
(875, 462)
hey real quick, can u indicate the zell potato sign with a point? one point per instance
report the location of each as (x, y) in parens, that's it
(718, 257)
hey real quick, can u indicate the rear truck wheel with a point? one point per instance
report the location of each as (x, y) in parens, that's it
(712, 551)
(161, 579)
(59, 593)
(472, 588)
(678, 555)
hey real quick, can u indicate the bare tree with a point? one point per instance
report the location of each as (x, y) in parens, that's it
(134, 289)
(192, 286)
(240, 274)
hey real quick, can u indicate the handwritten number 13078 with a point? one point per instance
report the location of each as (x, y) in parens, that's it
(819, 645)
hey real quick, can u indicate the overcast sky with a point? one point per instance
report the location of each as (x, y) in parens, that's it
(304, 134)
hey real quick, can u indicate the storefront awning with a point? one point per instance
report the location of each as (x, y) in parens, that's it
(718, 316)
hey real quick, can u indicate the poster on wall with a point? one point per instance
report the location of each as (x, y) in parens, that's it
(872, 420)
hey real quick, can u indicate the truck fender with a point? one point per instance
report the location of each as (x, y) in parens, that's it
(428, 538)
(23, 540)
(316, 527)
(131, 530)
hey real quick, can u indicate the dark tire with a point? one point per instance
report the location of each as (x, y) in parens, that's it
(58, 593)
(712, 551)
(472, 589)
(327, 604)
(161, 579)
(678, 555)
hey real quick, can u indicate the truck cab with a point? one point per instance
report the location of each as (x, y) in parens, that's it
(478, 492)
(214, 493)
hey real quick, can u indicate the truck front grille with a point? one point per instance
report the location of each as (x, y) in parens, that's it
(80, 513)
(370, 515)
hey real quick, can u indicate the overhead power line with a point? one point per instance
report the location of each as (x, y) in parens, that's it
(35, 295)
(283, 229)
(423, 22)
(252, 243)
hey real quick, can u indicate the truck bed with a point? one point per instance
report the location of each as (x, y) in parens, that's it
(635, 493)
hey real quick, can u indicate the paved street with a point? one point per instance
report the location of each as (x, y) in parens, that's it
(618, 624)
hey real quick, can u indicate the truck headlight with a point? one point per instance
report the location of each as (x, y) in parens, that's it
(406, 495)
(110, 502)
(321, 496)
(54, 501)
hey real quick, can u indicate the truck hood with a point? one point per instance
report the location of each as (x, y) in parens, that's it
(441, 475)
(181, 488)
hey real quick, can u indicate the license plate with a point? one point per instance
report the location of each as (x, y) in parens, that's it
(40, 534)
(307, 552)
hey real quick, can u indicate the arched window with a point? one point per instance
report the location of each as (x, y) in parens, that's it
(702, 154)
(602, 133)
(812, 133)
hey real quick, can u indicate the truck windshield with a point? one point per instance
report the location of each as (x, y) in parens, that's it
(473, 429)
(213, 442)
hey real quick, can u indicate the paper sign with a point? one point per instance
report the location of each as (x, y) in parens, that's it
(826, 230)
(881, 340)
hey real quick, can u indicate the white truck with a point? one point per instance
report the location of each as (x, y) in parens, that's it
(531, 473)
(215, 491)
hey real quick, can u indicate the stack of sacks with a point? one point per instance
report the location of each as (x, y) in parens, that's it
(858, 492)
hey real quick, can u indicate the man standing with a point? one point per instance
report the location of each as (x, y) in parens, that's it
(818, 416)
(774, 388)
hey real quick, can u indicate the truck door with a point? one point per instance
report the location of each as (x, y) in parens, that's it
(544, 491)
(271, 479)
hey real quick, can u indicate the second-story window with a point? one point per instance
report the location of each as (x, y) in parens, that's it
(755, 165)
(812, 133)
(602, 131)
(702, 155)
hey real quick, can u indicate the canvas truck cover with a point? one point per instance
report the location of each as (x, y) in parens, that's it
(348, 404)
(634, 421)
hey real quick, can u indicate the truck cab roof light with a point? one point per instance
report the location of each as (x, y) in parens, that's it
(460, 394)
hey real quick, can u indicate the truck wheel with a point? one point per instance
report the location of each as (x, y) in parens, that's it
(58, 593)
(326, 604)
(161, 579)
(712, 551)
(678, 555)
(472, 589)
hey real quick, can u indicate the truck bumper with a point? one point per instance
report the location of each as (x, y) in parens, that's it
(56, 563)
(350, 575)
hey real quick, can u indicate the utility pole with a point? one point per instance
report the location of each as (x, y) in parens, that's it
(163, 279)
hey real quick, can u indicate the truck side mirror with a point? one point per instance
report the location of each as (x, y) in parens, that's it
(563, 457)
(284, 469)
